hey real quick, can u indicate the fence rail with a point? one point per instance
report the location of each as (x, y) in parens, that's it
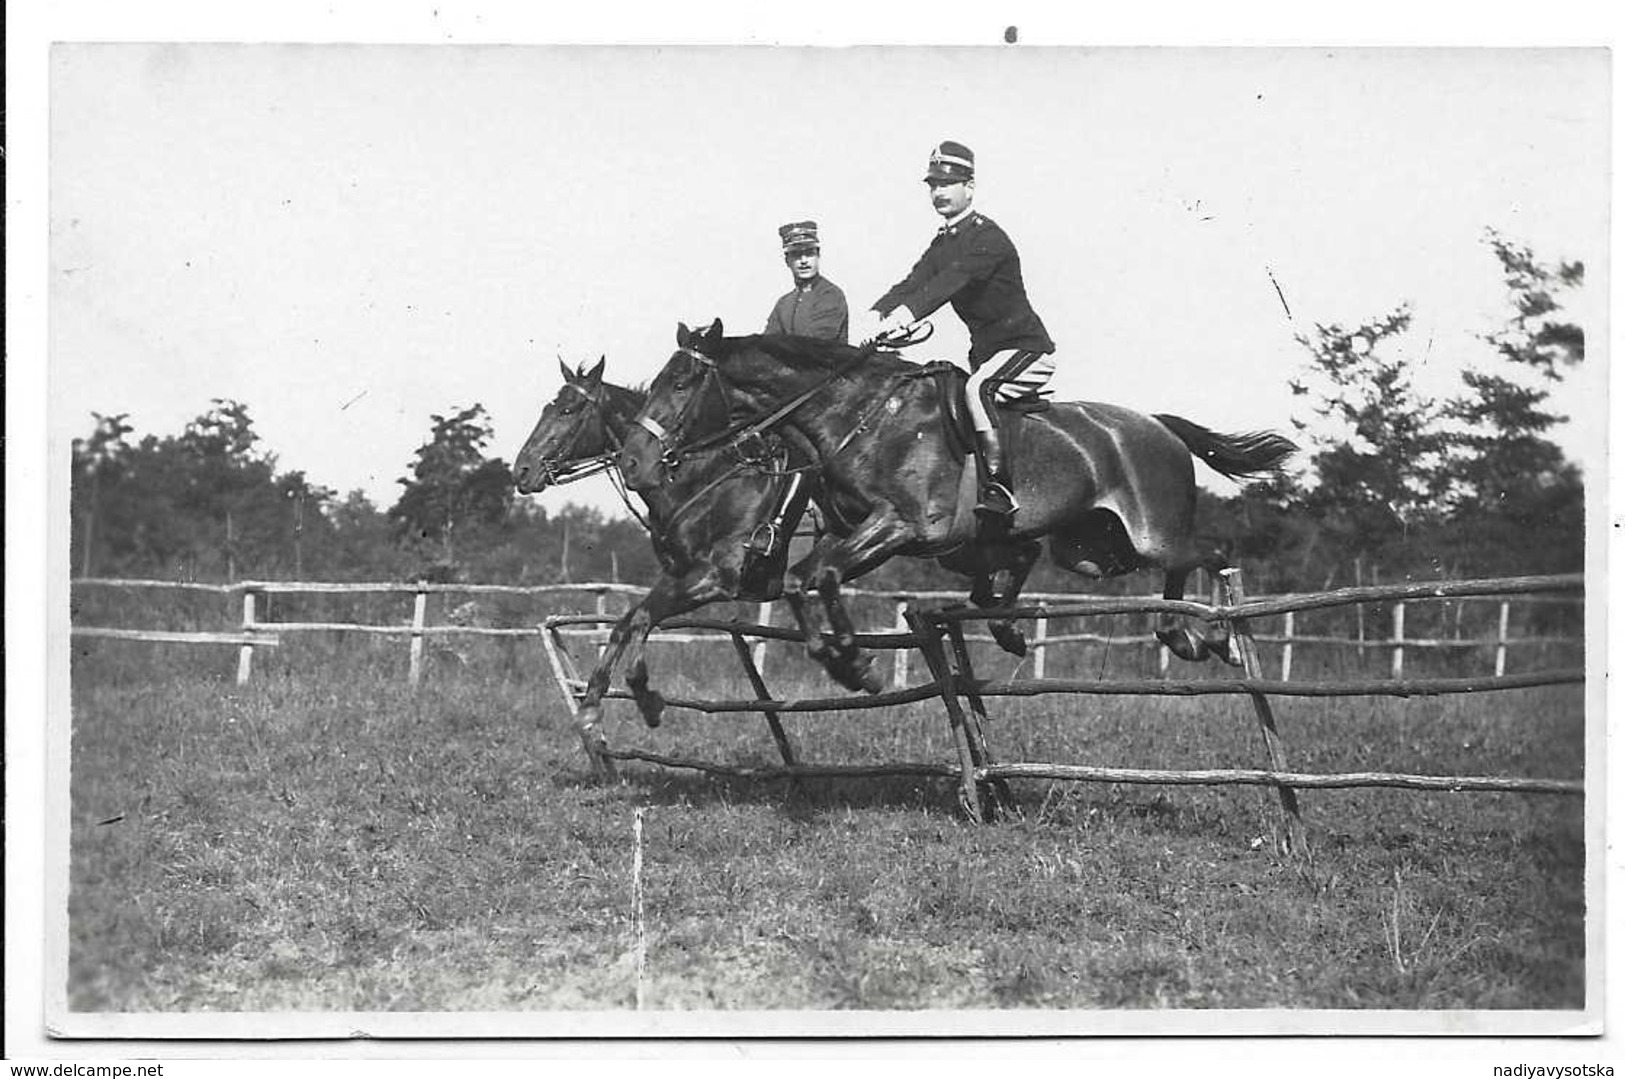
(1039, 607)
(963, 696)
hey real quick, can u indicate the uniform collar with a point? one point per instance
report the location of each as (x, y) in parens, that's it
(952, 225)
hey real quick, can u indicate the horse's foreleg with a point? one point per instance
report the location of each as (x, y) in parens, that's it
(635, 620)
(870, 544)
(669, 597)
(797, 586)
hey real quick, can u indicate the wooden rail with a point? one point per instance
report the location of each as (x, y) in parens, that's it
(1040, 608)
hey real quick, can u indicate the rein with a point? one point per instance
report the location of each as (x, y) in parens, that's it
(739, 432)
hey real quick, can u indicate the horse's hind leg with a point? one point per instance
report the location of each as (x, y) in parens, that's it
(1180, 639)
(1015, 571)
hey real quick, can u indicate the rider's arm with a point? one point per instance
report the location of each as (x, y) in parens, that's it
(775, 321)
(946, 268)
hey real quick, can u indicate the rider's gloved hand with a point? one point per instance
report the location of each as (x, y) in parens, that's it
(900, 319)
(866, 326)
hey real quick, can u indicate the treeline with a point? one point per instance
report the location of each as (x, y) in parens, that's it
(1392, 484)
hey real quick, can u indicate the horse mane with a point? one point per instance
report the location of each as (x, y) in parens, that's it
(816, 352)
(638, 391)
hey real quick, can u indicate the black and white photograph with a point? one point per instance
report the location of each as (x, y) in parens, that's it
(753, 537)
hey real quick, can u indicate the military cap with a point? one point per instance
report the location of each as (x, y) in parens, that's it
(950, 162)
(798, 234)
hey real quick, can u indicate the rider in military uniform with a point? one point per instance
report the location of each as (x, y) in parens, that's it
(972, 264)
(816, 307)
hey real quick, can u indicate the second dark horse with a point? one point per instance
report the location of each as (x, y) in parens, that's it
(1111, 490)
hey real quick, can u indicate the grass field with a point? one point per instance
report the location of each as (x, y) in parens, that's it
(321, 839)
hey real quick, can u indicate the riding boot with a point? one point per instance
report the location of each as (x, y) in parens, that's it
(763, 542)
(998, 493)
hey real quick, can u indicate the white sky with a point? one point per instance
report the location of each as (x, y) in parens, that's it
(350, 238)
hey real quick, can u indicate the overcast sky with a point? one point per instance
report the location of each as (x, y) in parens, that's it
(350, 238)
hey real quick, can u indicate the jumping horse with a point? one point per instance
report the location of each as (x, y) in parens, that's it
(1111, 491)
(698, 523)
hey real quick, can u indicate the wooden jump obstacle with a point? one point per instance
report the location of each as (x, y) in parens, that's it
(938, 634)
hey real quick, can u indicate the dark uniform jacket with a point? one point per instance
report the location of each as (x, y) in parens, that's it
(818, 310)
(973, 264)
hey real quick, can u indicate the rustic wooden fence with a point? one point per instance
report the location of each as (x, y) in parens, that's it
(253, 633)
(939, 636)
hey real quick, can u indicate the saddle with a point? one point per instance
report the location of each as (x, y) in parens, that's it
(956, 424)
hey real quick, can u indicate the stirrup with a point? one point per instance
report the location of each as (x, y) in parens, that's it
(997, 500)
(763, 540)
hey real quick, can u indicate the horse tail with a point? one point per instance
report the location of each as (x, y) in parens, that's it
(1238, 456)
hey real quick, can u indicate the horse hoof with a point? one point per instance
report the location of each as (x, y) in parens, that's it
(869, 678)
(855, 676)
(1010, 638)
(651, 705)
(1184, 644)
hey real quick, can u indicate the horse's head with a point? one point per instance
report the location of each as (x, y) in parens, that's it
(687, 400)
(572, 430)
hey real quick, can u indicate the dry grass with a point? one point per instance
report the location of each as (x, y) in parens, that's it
(327, 841)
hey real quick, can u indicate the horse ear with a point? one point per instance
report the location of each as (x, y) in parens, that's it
(566, 369)
(597, 373)
(713, 332)
(683, 334)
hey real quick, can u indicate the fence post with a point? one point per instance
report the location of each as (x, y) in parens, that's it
(1294, 840)
(599, 606)
(1288, 624)
(245, 654)
(1501, 640)
(1399, 639)
(1040, 635)
(936, 662)
(564, 672)
(899, 657)
(752, 671)
(764, 616)
(420, 605)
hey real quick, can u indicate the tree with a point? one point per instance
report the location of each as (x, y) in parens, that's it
(1377, 465)
(1512, 487)
(203, 503)
(453, 486)
(98, 462)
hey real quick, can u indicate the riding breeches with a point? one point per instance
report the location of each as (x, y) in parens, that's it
(1011, 374)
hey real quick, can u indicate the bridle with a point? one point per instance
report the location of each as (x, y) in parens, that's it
(576, 468)
(743, 433)
(672, 453)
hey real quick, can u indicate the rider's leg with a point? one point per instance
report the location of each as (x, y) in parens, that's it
(1008, 367)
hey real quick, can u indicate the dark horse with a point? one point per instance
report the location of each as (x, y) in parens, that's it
(1111, 490)
(698, 523)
